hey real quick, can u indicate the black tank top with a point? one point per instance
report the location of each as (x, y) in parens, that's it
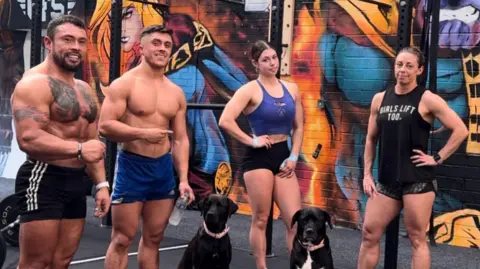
(402, 129)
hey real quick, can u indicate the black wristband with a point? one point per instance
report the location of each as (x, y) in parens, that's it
(437, 157)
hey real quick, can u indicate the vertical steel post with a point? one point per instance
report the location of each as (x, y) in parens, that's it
(403, 40)
(114, 73)
(36, 33)
(276, 30)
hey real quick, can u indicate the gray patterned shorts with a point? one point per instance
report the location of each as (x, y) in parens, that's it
(396, 192)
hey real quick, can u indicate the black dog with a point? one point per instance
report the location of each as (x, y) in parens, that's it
(210, 247)
(311, 246)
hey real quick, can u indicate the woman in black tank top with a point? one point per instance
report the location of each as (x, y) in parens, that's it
(400, 122)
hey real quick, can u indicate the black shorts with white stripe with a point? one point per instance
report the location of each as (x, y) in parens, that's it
(50, 192)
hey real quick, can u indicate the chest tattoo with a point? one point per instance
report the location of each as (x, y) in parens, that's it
(89, 113)
(67, 106)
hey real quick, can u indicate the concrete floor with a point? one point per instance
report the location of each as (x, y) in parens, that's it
(345, 245)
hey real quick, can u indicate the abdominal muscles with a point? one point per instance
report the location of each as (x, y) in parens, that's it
(143, 146)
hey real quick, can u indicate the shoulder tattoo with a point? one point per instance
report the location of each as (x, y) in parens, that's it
(30, 112)
(65, 98)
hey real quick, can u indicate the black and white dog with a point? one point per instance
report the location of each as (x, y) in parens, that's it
(210, 247)
(311, 245)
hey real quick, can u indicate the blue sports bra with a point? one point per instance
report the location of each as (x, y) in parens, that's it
(273, 115)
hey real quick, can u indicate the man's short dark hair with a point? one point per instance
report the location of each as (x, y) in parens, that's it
(156, 28)
(53, 24)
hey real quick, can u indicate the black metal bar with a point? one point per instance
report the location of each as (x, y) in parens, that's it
(404, 38)
(404, 24)
(424, 42)
(205, 106)
(114, 73)
(150, 3)
(269, 234)
(434, 35)
(36, 33)
(431, 64)
(276, 30)
(234, 2)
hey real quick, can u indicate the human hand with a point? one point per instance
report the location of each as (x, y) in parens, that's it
(287, 168)
(422, 159)
(262, 141)
(369, 186)
(184, 187)
(155, 135)
(102, 202)
(93, 151)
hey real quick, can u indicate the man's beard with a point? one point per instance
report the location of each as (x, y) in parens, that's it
(153, 65)
(62, 62)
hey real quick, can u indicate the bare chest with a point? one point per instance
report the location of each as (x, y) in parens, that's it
(71, 104)
(151, 102)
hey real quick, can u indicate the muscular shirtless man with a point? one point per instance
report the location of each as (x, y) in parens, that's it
(138, 110)
(55, 119)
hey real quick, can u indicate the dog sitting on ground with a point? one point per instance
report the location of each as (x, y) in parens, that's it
(311, 245)
(210, 247)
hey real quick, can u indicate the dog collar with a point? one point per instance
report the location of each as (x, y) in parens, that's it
(214, 235)
(311, 247)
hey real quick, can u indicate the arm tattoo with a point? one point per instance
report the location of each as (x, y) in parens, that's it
(65, 98)
(30, 112)
(92, 114)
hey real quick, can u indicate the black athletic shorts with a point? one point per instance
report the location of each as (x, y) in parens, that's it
(399, 189)
(263, 158)
(50, 192)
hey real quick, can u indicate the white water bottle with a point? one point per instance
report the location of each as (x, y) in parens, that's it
(178, 210)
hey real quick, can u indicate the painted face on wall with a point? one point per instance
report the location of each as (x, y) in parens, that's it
(131, 27)
(459, 23)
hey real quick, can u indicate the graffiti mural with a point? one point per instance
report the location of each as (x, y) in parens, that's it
(11, 70)
(364, 32)
(207, 71)
(17, 14)
(342, 54)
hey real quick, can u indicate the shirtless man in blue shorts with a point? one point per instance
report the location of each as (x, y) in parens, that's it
(138, 111)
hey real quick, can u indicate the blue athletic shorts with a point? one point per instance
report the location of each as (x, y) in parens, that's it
(141, 179)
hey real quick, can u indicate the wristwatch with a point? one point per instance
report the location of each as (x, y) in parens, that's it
(437, 157)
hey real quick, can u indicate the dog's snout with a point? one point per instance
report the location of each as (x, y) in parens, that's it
(309, 231)
(210, 214)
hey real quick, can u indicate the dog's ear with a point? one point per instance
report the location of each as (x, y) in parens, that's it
(201, 205)
(328, 219)
(232, 207)
(296, 217)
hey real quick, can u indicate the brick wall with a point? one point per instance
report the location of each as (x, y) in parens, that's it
(341, 55)
(209, 61)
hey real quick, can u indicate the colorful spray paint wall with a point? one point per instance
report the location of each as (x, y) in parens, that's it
(340, 54)
(15, 18)
(209, 61)
(343, 54)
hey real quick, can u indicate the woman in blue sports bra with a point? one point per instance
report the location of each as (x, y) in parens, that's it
(274, 112)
